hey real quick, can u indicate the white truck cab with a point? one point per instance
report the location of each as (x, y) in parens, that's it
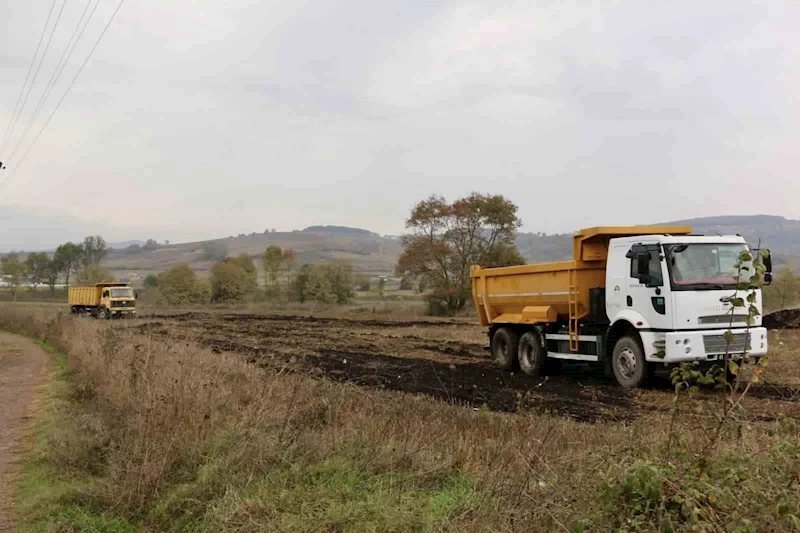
(676, 291)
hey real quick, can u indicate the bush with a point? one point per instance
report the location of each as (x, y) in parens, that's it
(179, 285)
(331, 283)
(230, 282)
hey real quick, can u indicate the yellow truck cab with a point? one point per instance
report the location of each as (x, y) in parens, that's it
(104, 300)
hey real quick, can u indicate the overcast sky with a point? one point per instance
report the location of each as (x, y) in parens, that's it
(209, 118)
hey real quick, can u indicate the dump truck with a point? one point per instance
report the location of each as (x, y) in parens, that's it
(631, 298)
(103, 300)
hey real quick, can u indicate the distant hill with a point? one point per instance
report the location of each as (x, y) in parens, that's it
(368, 252)
(377, 255)
(779, 234)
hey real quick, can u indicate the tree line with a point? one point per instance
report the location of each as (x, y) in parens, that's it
(69, 261)
(235, 279)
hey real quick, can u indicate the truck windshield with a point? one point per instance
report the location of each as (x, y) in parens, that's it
(704, 266)
(121, 293)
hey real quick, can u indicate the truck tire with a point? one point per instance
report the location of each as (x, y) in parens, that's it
(531, 354)
(102, 314)
(504, 348)
(628, 362)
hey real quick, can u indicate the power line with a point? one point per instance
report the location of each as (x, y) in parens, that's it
(56, 73)
(38, 68)
(25, 155)
(27, 77)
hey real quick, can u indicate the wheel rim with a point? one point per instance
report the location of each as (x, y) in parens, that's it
(502, 350)
(626, 363)
(527, 356)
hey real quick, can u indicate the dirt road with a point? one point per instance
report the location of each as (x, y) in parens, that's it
(24, 368)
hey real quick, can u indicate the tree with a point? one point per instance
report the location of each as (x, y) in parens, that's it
(288, 263)
(230, 282)
(150, 281)
(331, 283)
(15, 271)
(312, 284)
(179, 285)
(150, 245)
(93, 274)
(38, 267)
(446, 239)
(362, 282)
(271, 260)
(340, 276)
(53, 270)
(94, 250)
(381, 287)
(68, 257)
(246, 263)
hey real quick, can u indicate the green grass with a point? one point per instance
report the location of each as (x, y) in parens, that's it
(340, 492)
(48, 496)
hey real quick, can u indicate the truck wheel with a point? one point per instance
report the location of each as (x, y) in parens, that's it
(628, 362)
(102, 314)
(531, 353)
(504, 348)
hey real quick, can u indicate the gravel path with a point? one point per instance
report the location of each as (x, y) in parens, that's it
(24, 368)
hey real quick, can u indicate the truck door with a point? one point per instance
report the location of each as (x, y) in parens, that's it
(616, 280)
(647, 293)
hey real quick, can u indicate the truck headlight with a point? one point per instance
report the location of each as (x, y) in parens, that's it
(686, 341)
(688, 350)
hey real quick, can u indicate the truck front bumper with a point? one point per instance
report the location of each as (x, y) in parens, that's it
(123, 312)
(706, 345)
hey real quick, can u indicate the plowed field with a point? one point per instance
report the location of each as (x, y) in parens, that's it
(445, 361)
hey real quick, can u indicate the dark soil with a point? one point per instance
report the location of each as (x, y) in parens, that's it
(372, 354)
(785, 319)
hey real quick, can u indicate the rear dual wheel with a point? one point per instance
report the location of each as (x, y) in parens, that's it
(532, 354)
(510, 350)
(505, 344)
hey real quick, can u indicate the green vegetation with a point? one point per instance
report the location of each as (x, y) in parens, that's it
(180, 286)
(93, 274)
(14, 271)
(332, 283)
(233, 280)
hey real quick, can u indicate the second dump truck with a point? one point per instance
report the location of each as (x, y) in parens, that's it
(103, 300)
(631, 298)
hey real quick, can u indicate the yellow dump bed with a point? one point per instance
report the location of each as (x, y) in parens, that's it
(87, 296)
(552, 292)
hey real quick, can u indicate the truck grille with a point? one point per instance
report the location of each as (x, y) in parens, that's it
(123, 304)
(716, 344)
(722, 319)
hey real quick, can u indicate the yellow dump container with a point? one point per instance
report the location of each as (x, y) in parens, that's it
(85, 296)
(552, 292)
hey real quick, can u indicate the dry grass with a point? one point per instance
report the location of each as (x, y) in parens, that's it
(187, 439)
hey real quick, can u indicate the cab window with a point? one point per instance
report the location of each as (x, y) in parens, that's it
(656, 277)
(105, 294)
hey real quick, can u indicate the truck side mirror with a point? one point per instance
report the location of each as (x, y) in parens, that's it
(767, 278)
(135, 294)
(768, 262)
